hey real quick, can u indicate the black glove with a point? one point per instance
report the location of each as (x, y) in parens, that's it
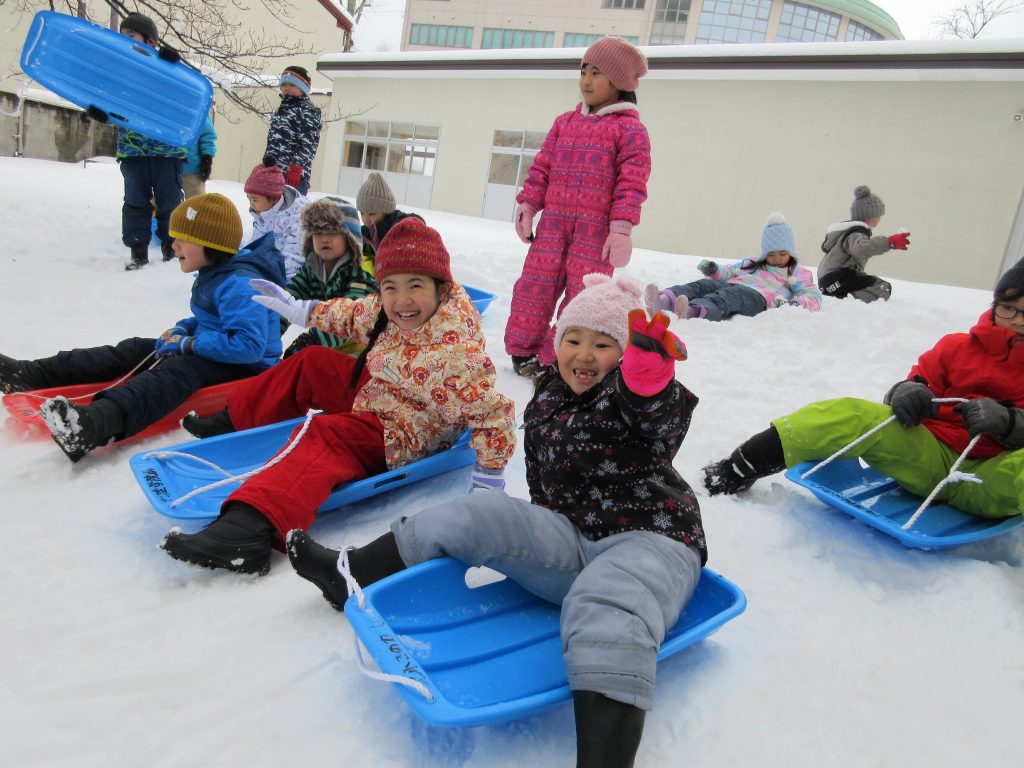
(168, 54)
(96, 114)
(205, 166)
(985, 416)
(911, 401)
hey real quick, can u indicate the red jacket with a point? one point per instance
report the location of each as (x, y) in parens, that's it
(982, 363)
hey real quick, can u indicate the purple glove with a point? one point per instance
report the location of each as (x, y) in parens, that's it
(619, 245)
(649, 362)
(485, 479)
(272, 296)
(524, 222)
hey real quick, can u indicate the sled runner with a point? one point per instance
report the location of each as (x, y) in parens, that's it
(491, 653)
(24, 406)
(165, 477)
(92, 66)
(880, 502)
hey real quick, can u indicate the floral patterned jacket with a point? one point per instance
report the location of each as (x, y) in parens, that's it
(604, 459)
(427, 386)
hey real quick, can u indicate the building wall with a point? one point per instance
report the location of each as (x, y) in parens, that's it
(730, 146)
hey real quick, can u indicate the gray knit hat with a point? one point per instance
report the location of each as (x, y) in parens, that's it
(332, 216)
(1013, 278)
(866, 205)
(375, 196)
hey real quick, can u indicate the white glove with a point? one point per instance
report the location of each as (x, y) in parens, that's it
(272, 296)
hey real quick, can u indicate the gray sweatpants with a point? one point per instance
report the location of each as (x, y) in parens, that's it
(619, 595)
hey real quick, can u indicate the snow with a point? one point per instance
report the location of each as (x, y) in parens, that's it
(854, 651)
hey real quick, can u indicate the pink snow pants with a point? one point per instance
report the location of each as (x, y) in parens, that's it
(565, 248)
(338, 446)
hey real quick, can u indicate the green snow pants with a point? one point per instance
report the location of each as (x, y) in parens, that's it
(912, 456)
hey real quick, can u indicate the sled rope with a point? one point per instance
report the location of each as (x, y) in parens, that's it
(90, 395)
(355, 589)
(953, 477)
(228, 477)
(868, 434)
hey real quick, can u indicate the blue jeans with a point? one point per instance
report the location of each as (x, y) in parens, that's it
(619, 595)
(721, 299)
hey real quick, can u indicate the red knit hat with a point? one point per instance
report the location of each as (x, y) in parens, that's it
(413, 248)
(620, 62)
(266, 180)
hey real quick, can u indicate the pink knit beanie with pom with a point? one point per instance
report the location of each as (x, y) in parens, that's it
(601, 306)
(619, 61)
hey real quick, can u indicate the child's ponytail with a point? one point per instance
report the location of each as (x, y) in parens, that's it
(377, 330)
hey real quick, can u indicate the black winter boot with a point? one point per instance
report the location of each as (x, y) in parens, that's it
(319, 564)
(239, 540)
(139, 258)
(167, 251)
(77, 429)
(607, 731)
(758, 457)
(525, 365)
(208, 426)
(26, 375)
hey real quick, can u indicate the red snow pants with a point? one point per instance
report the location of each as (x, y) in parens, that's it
(564, 249)
(337, 447)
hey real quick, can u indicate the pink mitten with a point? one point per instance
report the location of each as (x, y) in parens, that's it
(648, 364)
(618, 247)
(524, 222)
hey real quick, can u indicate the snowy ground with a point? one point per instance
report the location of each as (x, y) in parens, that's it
(853, 651)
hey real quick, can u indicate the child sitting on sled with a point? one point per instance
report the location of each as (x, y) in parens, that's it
(984, 366)
(277, 208)
(747, 287)
(612, 533)
(227, 337)
(422, 380)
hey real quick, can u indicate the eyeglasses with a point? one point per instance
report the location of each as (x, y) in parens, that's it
(1007, 311)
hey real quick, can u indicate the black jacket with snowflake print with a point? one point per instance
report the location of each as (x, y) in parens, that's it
(604, 459)
(294, 134)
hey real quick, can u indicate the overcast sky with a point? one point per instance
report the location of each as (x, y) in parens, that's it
(382, 23)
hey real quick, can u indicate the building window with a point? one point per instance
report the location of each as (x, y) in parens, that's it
(517, 38)
(637, 4)
(440, 35)
(803, 24)
(669, 24)
(733, 21)
(512, 154)
(393, 147)
(856, 31)
(585, 40)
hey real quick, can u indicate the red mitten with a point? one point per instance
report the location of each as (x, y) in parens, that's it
(294, 175)
(899, 241)
(648, 364)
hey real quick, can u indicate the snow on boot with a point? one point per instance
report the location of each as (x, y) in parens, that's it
(239, 540)
(139, 258)
(525, 365)
(208, 426)
(319, 564)
(725, 477)
(608, 732)
(758, 457)
(77, 429)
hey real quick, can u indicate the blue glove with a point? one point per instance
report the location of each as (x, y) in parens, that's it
(272, 296)
(485, 479)
(178, 344)
(708, 268)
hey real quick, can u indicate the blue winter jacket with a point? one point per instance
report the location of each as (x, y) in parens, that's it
(228, 326)
(206, 144)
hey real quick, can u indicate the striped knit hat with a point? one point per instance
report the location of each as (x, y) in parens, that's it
(413, 248)
(211, 220)
(619, 61)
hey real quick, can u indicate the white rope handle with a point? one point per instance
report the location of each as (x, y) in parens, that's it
(952, 477)
(89, 395)
(228, 477)
(373, 674)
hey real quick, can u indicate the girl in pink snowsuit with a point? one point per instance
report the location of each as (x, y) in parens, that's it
(590, 179)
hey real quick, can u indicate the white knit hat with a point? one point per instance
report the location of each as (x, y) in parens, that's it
(602, 306)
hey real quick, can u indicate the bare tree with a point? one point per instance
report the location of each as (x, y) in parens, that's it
(355, 10)
(968, 19)
(212, 36)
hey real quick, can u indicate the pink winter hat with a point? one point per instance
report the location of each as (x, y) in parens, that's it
(266, 180)
(602, 306)
(620, 62)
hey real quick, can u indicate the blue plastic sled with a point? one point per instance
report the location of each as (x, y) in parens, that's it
(492, 653)
(880, 502)
(481, 299)
(90, 65)
(163, 480)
